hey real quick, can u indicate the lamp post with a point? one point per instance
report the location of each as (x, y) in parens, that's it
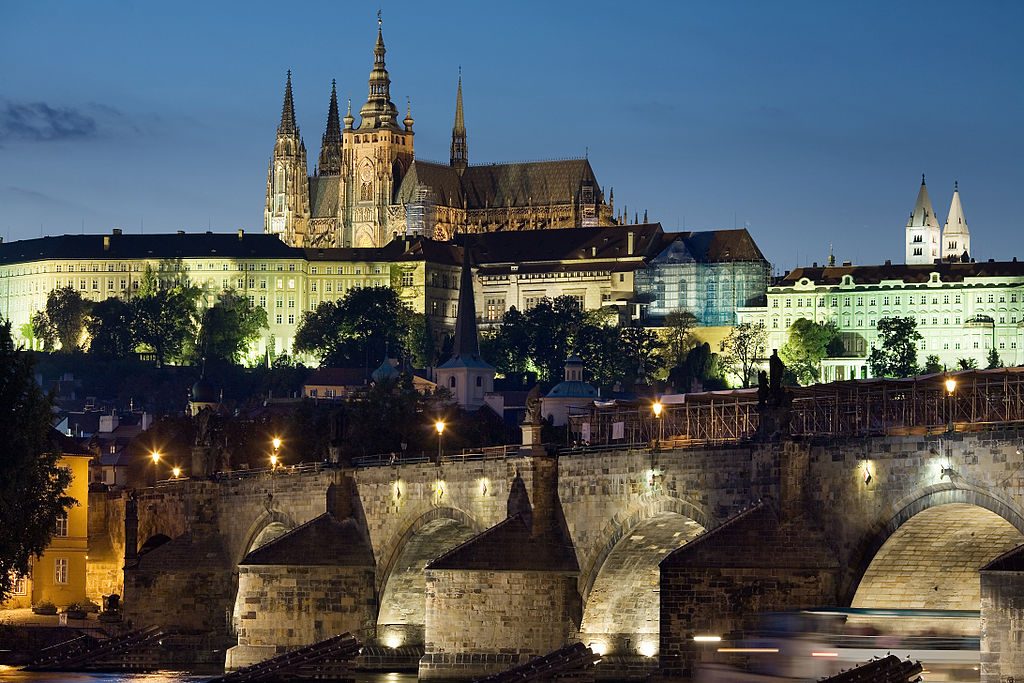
(950, 390)
(439, 426)
(657, 408)
(155, 458)
(274, 461)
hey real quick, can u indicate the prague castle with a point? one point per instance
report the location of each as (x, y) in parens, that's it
(367, 186)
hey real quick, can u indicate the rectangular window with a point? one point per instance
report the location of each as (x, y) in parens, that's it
(60, 570)
(312, 286)
(279, 303)
(20, 586)
(291, 267)
(278, 318)
(956, 299)
(291, 303)
(60, 529)
(95, 285)
(407, 279)
(252, 282)
(885, 301)
(775, 303)
(789, 303)
(263, 301)
(312, 392)
(291, 318)
(313, 270)
(241, 282)
(835, 301)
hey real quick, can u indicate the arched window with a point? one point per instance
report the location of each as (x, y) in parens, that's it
(479, 381)
(451, 382)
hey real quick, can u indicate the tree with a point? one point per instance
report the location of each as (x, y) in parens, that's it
(43, 330)
(553, 325)
(229, 327)
(32, 483)
(679, 324)
(896, 353)
(742, 349)
(63, 319)
(111, 326)
(967, 363)
(166, 314)
(808, 343)
(359, 329)
(994, 361)
(640, 349)
(932, 365)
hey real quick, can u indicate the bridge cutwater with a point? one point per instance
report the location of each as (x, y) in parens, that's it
(645, 554)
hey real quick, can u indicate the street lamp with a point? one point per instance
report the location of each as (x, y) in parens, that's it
(950, 390)
(439, 426)
(657, 408)
(274, 457)
(176, 471)
(155, 456)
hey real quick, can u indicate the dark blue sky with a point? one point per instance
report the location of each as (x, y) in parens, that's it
(809, 122)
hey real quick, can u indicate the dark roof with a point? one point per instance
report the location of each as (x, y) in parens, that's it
(739, 542)
(161, 246)
(602, 244)
(1010, 561)
(342, 377)
(510, 546)
(441, 179)
(66, 445)
(323, 196)
(323, 541)
(531, 183)
(534, 183)
(916, 273)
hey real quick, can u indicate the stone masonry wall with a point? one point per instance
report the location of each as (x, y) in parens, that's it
(718, 600)
(1002, 626)
(502, 617)
(285, 607)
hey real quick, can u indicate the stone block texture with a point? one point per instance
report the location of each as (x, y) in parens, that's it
(482, 621)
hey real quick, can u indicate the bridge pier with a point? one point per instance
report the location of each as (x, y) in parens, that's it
(1002, 618)
(507, 595)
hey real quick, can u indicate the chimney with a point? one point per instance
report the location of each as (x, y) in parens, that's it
(888, 262)
(181, 232)
(106, 243)
(116, 231)
(241, 233)
(629, 243)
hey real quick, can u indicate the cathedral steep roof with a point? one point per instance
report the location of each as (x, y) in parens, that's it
(495, 186)
(324, 196)
(956, 222)
(524, 184)
(923, 215)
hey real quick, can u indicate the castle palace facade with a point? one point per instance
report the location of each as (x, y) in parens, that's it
(368, 187)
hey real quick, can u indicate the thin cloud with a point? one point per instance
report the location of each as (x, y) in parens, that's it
(40, 122)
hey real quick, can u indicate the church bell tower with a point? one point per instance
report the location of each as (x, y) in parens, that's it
(286, 213)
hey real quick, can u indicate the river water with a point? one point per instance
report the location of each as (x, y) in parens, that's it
(13, 675)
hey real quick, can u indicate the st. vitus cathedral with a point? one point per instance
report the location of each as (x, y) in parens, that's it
(368, 187)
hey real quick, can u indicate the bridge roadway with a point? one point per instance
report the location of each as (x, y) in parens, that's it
(549, 550)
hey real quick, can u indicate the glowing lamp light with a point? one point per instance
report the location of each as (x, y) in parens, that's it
(824, 654)
(273, 460)
(393, 640)
(707, 639)
(155, 457)
(176, 472)
(439, 488)
(277, 443)
(648, 648)
(598, 647)
(950, 386)
(657, 407)
(439, 426)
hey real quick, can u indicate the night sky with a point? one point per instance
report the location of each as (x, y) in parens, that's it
(808, 122)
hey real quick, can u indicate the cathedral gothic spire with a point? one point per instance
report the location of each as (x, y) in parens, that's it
(330, 147)
(460, 150)
(288, 125)
(379, 111)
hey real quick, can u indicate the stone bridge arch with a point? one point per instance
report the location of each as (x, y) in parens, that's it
(927, 549)
(620, 588)
(401, 582)
(268, 525)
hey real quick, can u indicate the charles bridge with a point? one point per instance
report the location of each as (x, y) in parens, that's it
(477, 562)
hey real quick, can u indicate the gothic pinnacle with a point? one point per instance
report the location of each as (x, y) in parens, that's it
(288, 124)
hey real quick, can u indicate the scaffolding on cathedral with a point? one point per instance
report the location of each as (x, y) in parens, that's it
(924, 405)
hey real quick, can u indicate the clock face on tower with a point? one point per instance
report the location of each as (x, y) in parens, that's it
(366, 172)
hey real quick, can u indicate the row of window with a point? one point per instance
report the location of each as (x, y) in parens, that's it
(921, 320)
(872, 301)
(60, 576)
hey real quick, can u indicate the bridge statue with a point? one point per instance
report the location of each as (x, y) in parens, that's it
(774, 401)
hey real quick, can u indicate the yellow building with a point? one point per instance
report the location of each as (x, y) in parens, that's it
(58, 576)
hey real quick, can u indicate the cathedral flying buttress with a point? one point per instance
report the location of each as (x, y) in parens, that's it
(368, 188)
